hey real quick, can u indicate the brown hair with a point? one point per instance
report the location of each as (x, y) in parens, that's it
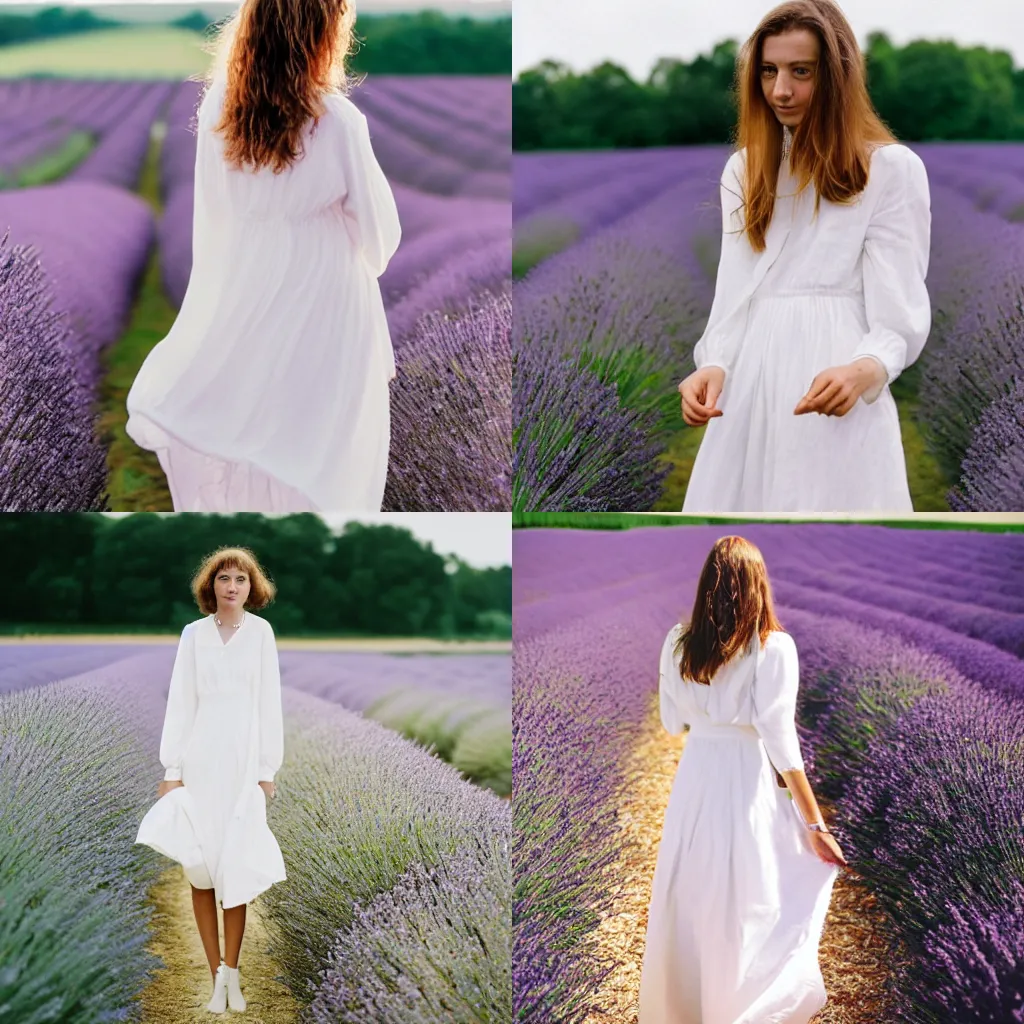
(261, 590)
(734, 602)
(280, 55)
(832, 144)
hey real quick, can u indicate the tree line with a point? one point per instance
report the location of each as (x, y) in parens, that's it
(419, 43)
(76, 570)
(926, 90)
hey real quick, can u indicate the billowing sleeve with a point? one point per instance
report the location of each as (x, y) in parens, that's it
(669, 683)
(775, 689)
(369, 204)
(895, 263)
(718, 344)
(271, 725)
(181, 706)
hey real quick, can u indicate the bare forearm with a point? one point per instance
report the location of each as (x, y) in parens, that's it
(803, 795)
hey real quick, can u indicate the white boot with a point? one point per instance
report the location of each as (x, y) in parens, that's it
(235, 998)
(219, 1000)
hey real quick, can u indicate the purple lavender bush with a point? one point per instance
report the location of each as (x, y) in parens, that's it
(50, 460)
(363, 807)
(451, 414)
(993, 468)
(93, 241)
(73, 786)
(431, 950)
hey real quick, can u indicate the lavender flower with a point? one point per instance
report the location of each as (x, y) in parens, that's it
(50, 460)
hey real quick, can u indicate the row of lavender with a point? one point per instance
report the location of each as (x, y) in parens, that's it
(912, 714)
(625, 247)
(397, 900)
(444, 142)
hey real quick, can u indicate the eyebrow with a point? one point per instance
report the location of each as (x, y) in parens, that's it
(772, 63)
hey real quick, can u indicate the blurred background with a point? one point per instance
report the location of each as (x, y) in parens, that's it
(97, 155)
(623, 122)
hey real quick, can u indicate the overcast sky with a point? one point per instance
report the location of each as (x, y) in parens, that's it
(636, 34)
(479, 538)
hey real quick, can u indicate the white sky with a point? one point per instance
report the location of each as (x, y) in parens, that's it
(636, 34)
(480, 538)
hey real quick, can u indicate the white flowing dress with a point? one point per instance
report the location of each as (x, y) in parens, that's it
(222, 736)
(270, 393)
(824, 292)
(738, 899)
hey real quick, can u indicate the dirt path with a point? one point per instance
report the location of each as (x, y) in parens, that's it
(179, 993)
(854, 958)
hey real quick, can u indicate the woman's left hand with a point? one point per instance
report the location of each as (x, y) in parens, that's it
(834, 392)
(269, 789)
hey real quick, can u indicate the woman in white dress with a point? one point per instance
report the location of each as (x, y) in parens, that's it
(744, 873)
(816, 312)
(270, 393)
(221, 746)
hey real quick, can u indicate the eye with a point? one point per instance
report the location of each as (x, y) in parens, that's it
(767, 70)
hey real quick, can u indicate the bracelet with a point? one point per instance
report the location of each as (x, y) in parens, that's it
(818, 826)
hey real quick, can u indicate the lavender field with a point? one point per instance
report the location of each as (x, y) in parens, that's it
(617, 254)
(73, 189)
(912, 722)
(376, 832)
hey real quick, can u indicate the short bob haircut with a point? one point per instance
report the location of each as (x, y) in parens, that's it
(261, 590)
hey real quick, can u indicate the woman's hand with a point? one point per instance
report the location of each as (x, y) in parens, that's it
(834, 392)
(826, 848)
(269, 789)
(166, 786)
(699, 393)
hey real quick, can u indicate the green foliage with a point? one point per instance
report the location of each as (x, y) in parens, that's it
(474, 736)
(135, 571)
(47, 23)
(53, 165)
(924, 90)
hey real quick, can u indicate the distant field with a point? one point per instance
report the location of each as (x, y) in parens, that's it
(158, 52)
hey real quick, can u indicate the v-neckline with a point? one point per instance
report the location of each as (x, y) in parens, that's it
(223, 642)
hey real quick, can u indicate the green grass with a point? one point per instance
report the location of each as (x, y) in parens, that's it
(53, 165)
(538, 240)
(131, 52)
(135, 481)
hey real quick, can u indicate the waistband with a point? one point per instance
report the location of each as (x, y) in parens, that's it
(711, 730)
(803, 293)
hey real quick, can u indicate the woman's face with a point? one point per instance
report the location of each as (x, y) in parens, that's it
(231, 587)
(789, 64)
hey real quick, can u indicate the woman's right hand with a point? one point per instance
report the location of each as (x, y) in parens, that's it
(826, 848)
(700, 392)
(166, 785)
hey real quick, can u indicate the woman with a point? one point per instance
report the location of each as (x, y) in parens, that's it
(270, 394)
(820, 301)
(744, 875)
(222, 743)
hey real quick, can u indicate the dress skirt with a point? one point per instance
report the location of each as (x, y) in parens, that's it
(738, 899)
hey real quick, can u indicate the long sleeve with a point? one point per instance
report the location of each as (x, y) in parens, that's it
(895, 264)
(668, 685)
(369, 204)
(181, 706)
(775, 689)
(271, 725)
(717, 345)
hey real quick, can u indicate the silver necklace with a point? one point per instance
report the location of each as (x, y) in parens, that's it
(234, 625)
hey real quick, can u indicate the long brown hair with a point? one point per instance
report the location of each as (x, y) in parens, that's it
(280, 57)
(734, 601)
(832, 144)
(261, 589)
